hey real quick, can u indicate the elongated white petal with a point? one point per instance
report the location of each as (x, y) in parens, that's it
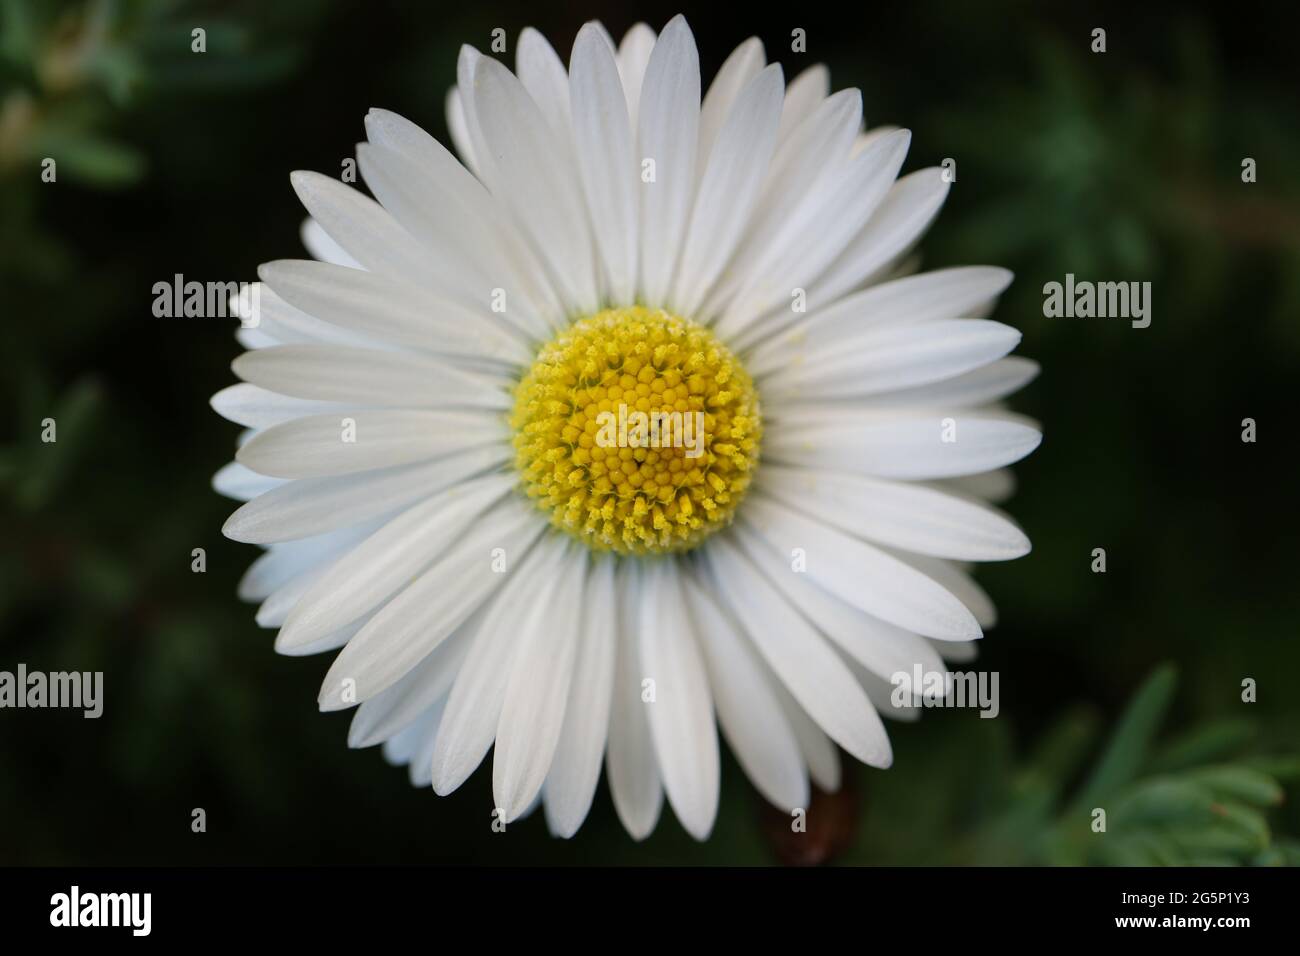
(803, 95)
(333, 373)
(575, 770)
(470, 720)
(393, 311)
(815, 237)
(284, 562)
(535, 182)
(819, 751)
(862, 575)
(910, 516)
(542, 73)
(881, 647)
(633, 56)
(943, 294)
(668, 128)
(366, 231)
(441, 600)
(388, 559)
(605, 157)
(316, 505)
(457, 125)
(897, 223)
(430, 609)
(896, 358)
(980, 386)
(681, 714)
(541, 674)
(242, 484)
(730, 186)
(320, 445)
(810, 669)
(749, 710)
(799, 177)
(630, 757)
(255, 407)
(920, 446)
(388, 712)
(321, 246)
(736, 73)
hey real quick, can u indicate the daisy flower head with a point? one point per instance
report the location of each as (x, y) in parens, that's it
(629, 421)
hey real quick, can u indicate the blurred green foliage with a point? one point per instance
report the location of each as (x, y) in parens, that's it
(1120, 166)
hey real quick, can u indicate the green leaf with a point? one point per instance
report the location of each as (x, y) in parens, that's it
(1129, 745)
(1239, 783)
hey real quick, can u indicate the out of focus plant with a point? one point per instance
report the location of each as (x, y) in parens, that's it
(1193, 800)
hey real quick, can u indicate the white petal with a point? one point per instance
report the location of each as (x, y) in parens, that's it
(541, 71)
(319, 244)
(284, 562)
(956, 581)
(895, 357)
(819, 751)
(532, 178)
(804, 94)
(913, 517)
(387, 560)
(334, 373)
(981, 386)
(541, 674)
(360, 226)
(802, 170)
(862, 575)
(394, 311)
(459, 129)
(242, 484)
(929, 297)
(902, 217)
(255, 407)
(736, 73)
(320, 445)
(668, 126)
(633, 56)
(906, 446)
(575, 771)
(681, 714)
(749, 711)
(820, 232)
(630, 757)
(316, 505)
(730, 186)
(805, 663)
(472, 248)
(995, 486)
(604, 144)
(387, 713)
(470, 721)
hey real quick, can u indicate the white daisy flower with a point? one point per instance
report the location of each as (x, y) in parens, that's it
(445, 463)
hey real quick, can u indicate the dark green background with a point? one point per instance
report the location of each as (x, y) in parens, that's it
(1119, 166)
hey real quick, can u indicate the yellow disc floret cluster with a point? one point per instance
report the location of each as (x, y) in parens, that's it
(637, 431)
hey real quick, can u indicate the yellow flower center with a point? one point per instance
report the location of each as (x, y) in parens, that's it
(637, 431)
